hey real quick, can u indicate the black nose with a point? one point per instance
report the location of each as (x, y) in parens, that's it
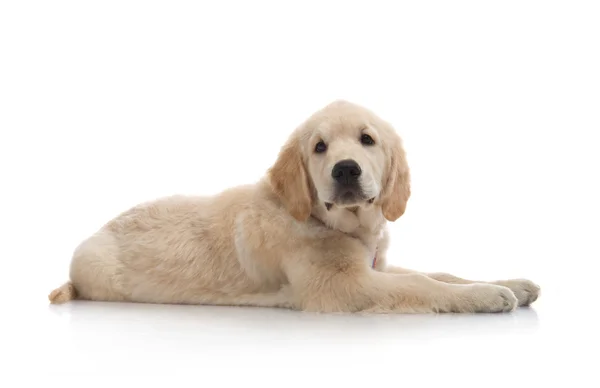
(346, 171)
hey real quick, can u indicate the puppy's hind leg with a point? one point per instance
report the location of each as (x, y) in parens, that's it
(94, 272)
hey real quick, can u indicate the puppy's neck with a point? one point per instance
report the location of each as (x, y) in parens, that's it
(358, 220)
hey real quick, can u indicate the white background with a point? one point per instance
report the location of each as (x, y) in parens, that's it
(107, 104)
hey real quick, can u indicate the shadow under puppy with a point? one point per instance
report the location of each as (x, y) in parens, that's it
(310, 235)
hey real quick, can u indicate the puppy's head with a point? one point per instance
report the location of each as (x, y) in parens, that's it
(345, 156)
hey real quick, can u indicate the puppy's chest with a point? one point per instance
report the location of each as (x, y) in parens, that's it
(372, 258)
(365, 225)
(371, 242)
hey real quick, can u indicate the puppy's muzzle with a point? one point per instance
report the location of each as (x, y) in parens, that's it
(348, 190)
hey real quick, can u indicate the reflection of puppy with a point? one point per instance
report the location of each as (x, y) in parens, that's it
(310, 235)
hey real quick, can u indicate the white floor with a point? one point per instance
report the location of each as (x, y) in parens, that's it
(226, 346)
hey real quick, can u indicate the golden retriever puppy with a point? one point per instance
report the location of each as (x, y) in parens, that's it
(311, 235)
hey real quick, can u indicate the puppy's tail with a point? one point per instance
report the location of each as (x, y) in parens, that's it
(63, 294)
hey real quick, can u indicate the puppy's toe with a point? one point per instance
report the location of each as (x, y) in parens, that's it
(525, 290)
(487, 298)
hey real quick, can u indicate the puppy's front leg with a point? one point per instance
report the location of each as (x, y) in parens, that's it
(459, 298)
(357, 289)
(525, 290)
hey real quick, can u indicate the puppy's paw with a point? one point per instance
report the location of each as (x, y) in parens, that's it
(487, 298)
(525, 290)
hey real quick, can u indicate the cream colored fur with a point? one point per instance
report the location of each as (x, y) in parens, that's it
(274, 243)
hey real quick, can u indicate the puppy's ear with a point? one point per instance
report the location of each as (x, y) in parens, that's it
(397, 188)
(289, 180)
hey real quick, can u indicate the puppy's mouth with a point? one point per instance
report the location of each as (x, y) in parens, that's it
(349, 205)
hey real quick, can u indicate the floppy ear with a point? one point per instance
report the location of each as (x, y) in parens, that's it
(397, 189)
(290, 182)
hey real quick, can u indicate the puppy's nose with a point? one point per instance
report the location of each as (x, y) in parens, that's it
(346, 171)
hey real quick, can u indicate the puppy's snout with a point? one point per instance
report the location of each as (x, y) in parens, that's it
(346, 171)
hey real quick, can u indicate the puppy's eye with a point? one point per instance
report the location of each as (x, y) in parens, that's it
(320, 147)
(367, 140)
